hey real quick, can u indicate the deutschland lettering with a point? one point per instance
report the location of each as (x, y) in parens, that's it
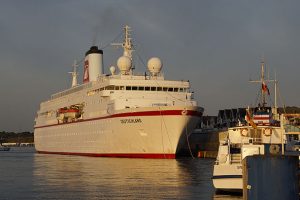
(127, 121)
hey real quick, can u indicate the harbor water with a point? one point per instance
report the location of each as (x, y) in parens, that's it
(28, 175)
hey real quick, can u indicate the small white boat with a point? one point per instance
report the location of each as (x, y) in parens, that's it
(259, 134)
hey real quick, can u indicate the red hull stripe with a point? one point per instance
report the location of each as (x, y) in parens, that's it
(135, 114)
(117, 155)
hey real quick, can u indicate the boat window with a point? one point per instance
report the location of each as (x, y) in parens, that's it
(101, 89)
(128, 87)
(170, 89)
(165, 89)
(134, 87)
(153, 88)
(117, 87)
(159, 88)
(110, 87)
(147, 88)
(180, 89)
(121, 87)
(175, 89)
(141, 88)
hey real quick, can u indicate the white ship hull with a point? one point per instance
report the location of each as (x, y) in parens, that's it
(145, 133)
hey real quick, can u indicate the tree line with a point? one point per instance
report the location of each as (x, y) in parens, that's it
(12, 137)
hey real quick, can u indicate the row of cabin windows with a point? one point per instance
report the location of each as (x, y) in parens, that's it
(143, 88)
(147, 88)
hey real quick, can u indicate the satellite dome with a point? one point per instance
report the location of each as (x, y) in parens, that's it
(154, 66)
(124, 64)
(112, 70)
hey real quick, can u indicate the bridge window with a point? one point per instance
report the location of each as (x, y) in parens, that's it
(110, 87)
(153, 88)
(134, 87)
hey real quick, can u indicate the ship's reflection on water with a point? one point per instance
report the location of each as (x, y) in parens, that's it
(75, 177)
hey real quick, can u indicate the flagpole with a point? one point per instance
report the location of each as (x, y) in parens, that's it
(263, 84)
(275, 94)
(264, 88)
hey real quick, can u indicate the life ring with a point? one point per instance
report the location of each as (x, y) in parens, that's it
(267, 132)
(244, 132)
(184, 112)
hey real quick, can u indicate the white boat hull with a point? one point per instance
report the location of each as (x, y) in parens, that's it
(144, 133)
(228, 177)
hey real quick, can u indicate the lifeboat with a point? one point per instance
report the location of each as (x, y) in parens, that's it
(69, 112)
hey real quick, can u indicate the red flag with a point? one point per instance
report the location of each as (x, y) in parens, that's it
(250, 120)
(265, 88)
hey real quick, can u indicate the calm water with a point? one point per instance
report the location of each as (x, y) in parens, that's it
(28, 175)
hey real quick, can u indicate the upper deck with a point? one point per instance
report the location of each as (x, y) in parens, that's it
(129, 83)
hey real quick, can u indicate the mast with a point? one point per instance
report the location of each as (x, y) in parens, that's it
(264, 87)
(74, 74)
(127, 43)
(127, 47)
(262, 79)
(275, 94)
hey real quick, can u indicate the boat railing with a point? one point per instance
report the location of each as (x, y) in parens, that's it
(71, 90)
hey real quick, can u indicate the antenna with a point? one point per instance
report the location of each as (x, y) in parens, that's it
(127, 43)
(74, 74)
(275, 92)
(263, 82)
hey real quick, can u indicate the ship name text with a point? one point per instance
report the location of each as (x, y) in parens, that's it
(127, 121)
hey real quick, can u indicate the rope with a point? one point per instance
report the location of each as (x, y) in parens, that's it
(281, 99)
(168, 93)
(108, 44)
(162, 138)
(166, 130)
(187, 139)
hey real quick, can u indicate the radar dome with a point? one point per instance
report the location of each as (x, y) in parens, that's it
(112, 70)
(154, 66)
(124, 64)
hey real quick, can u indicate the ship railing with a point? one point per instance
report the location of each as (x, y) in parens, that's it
(72, 90)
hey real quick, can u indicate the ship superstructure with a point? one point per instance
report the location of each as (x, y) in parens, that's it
(122, 114)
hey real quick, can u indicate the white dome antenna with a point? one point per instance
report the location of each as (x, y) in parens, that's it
(124, 64)
(154, 66)
(112, 70)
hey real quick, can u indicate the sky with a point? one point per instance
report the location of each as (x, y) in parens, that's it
(216, 45)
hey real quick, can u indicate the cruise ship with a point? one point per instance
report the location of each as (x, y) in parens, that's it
(120, 114)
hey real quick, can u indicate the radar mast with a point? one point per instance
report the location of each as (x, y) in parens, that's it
(264, 87)
(127, 43)
(74, 74)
